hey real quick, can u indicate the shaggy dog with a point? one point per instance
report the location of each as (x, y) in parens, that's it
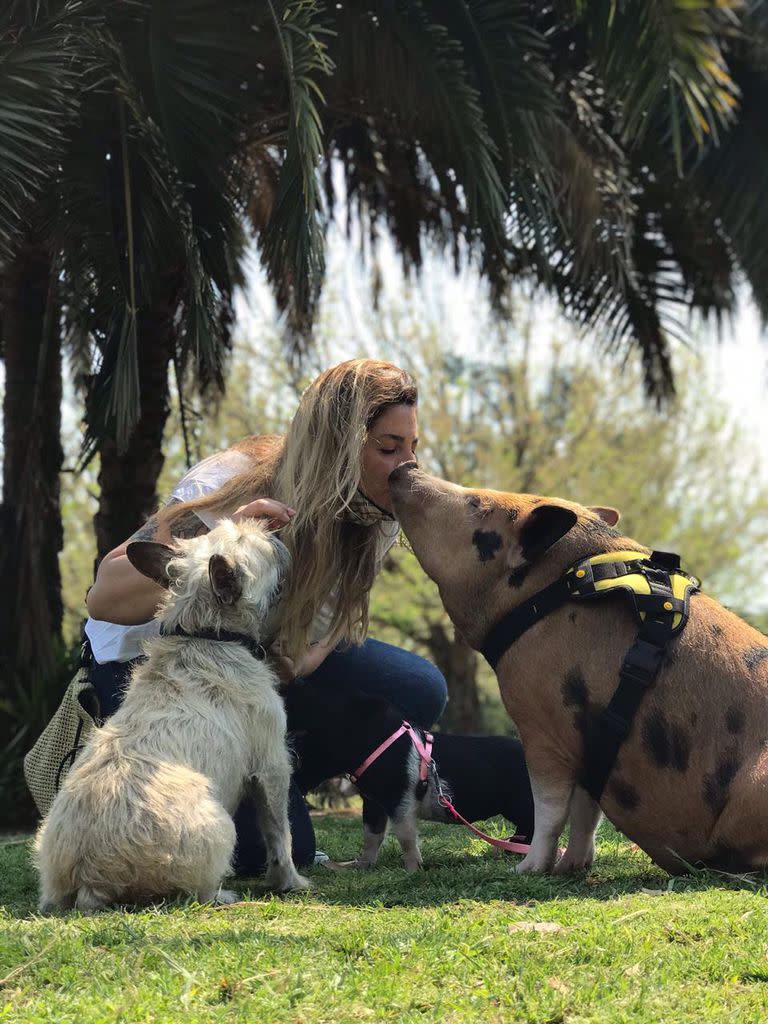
(690, 783)
(333, 729)
(146, 810)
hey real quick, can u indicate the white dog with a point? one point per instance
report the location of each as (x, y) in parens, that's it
(146, 810)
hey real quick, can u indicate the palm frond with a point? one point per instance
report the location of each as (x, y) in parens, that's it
(733, 177)
(665, 56)
(41, 69)
(292, 238)
(153, 214)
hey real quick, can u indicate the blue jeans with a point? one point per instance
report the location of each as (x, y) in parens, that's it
(408, 681)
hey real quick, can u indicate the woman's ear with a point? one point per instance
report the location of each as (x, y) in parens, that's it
(609, 515)
(540, 529)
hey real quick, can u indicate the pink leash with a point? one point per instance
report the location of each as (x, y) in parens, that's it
(424, 750)
(425, 753)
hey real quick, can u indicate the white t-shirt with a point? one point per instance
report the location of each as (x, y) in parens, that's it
(112, 642)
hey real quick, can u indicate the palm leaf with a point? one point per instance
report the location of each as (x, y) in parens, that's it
(41, 69)
(665, 56)
(292, 238)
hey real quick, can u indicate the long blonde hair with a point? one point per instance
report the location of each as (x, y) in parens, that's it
(316, 470)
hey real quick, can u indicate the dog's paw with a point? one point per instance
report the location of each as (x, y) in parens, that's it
(223, 897)
(413, 864)
(286, 880)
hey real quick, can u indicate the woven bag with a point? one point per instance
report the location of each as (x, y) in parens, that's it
(47, 763)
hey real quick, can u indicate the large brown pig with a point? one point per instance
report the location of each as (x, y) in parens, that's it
(690, 784)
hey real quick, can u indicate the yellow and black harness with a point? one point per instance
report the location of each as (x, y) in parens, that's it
(660, 593)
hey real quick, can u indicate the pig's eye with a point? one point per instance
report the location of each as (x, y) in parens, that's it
(473, 501)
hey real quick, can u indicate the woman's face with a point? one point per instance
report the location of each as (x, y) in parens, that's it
(391, 441)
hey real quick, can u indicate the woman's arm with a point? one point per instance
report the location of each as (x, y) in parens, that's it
(123, 595)
(120, 592)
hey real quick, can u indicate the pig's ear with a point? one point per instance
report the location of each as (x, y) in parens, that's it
(609, 515)
(542, 528)
(151, 559)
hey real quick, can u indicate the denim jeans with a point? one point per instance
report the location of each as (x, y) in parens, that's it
(415, 686)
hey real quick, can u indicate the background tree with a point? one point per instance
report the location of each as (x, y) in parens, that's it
(518, 133)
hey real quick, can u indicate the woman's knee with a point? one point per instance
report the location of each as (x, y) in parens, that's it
(428, 694)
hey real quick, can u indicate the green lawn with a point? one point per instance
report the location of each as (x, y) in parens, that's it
(465, 940)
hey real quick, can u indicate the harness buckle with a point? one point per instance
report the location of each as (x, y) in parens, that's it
(641, 662)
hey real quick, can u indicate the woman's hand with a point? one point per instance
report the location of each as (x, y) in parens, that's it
(276, 512)
(288, 669)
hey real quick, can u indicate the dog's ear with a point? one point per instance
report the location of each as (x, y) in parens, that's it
(540, 529)
(151, 559)
(225, 579)
(609, 515)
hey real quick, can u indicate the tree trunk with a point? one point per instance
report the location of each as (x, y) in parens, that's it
(30, 516)
(128, 479)
(458, 663)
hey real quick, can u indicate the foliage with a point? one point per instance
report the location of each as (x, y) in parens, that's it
(28, 705)
(546, 140)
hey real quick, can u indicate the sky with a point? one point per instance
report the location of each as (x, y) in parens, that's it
(734, 359)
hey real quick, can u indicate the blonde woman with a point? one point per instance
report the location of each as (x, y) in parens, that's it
(324, 485)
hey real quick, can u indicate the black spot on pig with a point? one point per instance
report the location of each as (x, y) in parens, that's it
(517, 576)
(755, 656)
(681, 749)
(574, 690)
(487, 543)
(735, 720)
(717, 782)
(666, 743)
(625, 794)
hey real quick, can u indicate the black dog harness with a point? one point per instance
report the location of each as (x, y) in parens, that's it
(660, 592)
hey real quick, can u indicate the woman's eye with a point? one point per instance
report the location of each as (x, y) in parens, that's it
(387, 451)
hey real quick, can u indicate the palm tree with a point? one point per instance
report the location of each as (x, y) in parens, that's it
(539, 137)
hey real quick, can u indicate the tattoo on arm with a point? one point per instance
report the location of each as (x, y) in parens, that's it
(188, 525)
(146, 532)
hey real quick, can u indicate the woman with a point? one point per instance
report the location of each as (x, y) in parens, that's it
(325, 487)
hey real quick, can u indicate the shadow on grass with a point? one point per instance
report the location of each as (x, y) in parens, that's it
(456, 867)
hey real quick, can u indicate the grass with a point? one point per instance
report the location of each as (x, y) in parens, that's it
(465, 940)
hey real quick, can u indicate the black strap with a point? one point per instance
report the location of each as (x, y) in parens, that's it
(614, 723)
(504, 633)
(255, 648)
